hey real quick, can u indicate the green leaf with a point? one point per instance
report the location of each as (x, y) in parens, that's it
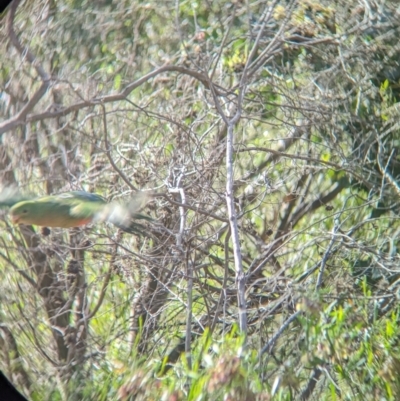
(117, 82)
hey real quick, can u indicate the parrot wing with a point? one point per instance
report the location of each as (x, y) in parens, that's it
(82, 204)
(94, 206)
(125, 216)
(9, 196)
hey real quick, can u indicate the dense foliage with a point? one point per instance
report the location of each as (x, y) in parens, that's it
(266, 134)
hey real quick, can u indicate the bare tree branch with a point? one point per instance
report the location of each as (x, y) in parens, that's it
(20, 117)
(271, 343)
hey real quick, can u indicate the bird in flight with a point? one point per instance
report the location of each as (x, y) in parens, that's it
(73, 209)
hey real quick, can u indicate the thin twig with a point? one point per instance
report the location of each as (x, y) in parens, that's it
(189, 311)
(106, 281)
(190, 207)
(108, 152)
(327, 253)
(306, 393)
(386, 174)
(265, 17)
(269, 51)
(237, 255)
(223, 293)
(20, 271)
(335, 166)
(20, 119)
(189, 265)
(270, 344)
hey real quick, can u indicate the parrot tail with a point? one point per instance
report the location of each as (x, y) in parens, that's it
(133, 227)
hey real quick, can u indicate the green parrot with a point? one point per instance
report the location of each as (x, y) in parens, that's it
(72, 209)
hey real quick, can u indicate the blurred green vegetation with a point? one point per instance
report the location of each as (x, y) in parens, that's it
(94, 314)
